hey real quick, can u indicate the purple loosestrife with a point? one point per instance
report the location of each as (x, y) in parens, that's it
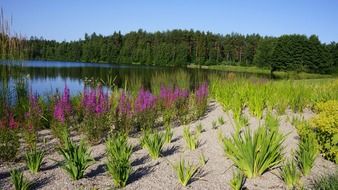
(202, 92)
(63, 106)
(169, 96)
(95, 101)
(124, 105)
(144, 101)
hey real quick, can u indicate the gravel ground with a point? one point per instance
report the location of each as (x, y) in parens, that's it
(158, 174)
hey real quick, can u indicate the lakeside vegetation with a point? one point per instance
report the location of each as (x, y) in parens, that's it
(111, 115)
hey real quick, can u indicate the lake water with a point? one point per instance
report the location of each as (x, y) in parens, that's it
(46, 77)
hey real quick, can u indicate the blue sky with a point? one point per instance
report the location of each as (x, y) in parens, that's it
(71, 19)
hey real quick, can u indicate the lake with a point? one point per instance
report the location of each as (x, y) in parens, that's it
(46, 77)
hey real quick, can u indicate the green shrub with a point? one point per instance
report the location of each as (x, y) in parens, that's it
(184, 172)
(238, 180)
(329, 182)
(325, 125)
(306, 154)
(19, 181)
(255, 153)
(77, 158)
(168, 135)
(118, 155)
(191, 139)
(9, 144)
(34, 159)
(290, 174)
(153, 142)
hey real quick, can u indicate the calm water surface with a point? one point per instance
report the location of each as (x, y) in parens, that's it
(45, 77)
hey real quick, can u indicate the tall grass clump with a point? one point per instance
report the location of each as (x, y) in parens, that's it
(238, 180)
(118, 154)
(271, 122)
(77, 158)
(254, 152)
(153, 142)
(34, 159)
(190, 138)
(19, 181)
(290, 174)
(184, 171)
(306, 154)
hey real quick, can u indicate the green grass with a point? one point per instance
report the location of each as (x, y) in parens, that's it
(153, 142)
(306, 154)
(190, 138)
(263, 71)
(238, 180)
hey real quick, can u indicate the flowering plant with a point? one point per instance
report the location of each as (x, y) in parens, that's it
(9, 140)
(95, 105)
(145, 110)
(62, 113)
(123, 113)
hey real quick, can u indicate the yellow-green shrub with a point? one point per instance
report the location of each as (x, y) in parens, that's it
(325, 125)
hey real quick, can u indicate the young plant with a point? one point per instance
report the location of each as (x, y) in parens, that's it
(190, 139)
(237, 181)
(254, 153)
(34, 159)
(306, 154)
(168, 135)
(290, 174)
(118, 154)
(9, 144)
(199, 128)
(153, 142)
(202, 159)
(214, 124)
(19, 181)
(77, 158)
(221, 120)
(184, 172)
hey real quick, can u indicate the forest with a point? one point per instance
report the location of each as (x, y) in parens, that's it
(293, 52)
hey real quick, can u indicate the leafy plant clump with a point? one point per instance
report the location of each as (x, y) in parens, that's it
(191, 139)
(153, 142)
(255, 152)
(325, 125)
(184, 172)
(221, 120)
(214, 124)
(19, 181)
(306, 154)
(118, 154)
(9, 139)
(238, 180)
(77, 158)
(34, 159)
(290, 174)
(199, 128)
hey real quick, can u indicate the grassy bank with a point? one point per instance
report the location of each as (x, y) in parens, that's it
(262, 71)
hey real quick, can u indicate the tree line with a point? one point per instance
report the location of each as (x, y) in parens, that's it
(182, 47)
